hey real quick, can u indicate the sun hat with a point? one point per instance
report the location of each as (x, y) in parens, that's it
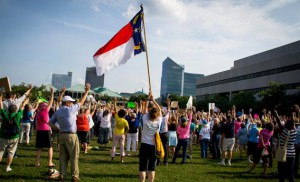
(42, 105)
(67, 98)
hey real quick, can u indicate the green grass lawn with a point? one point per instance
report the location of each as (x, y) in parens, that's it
(96, 166)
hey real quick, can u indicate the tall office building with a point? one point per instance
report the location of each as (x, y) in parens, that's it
(92, 78)
(175, 81)
(254, 73)
(60, 80)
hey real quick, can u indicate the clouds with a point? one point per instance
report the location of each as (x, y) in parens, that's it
(75, 25)
(95, 8)
(201, 28)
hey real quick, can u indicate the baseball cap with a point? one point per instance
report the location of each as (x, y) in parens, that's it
(67, 98)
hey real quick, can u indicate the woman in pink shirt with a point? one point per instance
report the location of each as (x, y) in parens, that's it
(263, 144)
(183, 134)
(43, 131)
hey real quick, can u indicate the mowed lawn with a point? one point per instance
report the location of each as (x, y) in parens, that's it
(96, 166)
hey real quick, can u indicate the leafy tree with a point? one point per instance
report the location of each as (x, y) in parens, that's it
(245, 100)
(221, 101)
(272, 96)
(138, 98)
(35, 93)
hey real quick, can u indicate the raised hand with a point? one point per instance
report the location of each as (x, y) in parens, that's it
(87, 87)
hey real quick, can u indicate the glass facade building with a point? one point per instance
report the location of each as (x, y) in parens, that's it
(92, 78)
(190, 80)
(60, 80)
(175, 81)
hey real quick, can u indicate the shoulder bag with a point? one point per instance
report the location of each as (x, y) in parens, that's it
(159, 148)
(281, 151)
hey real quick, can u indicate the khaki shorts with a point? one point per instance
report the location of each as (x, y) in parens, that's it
(228, 144)
(10, 145)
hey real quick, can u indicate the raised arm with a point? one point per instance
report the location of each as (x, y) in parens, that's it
(168, 104)
(280, 126)
(250, 115)
(115, 104)
(233, 112)
(51, 98)
(28, 90)
(62, 93)
(144, 105)
(94, 109)
(154, 102)
(86, 91)
(176, 115)
(24, 103)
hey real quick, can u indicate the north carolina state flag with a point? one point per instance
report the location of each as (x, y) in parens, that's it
(124, 45)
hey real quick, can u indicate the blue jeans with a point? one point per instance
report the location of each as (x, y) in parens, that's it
(181, 143)
(204, 146)
(216, 149)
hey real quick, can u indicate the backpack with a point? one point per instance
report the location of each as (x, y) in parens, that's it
(11, 129)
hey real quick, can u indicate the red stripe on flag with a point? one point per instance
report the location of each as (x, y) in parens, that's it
(120, 38)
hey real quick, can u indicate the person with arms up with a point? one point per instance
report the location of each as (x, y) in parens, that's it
(43, 131)
(121, 128)
(152, 119)
(228, 139)
(17, 102)
(9, 131)
(65, 116)
(164, 132)
(287, 139)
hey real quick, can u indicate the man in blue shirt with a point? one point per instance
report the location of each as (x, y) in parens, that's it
(65, 116)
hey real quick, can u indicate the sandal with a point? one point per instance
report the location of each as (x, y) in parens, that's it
(53, 165)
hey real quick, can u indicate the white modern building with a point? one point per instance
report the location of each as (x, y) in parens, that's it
(254, 73)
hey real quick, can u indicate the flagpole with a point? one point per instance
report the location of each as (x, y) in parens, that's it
(146, 49)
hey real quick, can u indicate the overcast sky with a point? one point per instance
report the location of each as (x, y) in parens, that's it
(41, 37)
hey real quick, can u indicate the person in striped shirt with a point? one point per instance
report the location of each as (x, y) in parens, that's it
(287, 134)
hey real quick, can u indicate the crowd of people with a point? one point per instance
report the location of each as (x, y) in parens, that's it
(217, 134)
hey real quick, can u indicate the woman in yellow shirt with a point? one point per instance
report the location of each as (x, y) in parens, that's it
(121, 128)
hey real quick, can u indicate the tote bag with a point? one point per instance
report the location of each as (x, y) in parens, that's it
(281, 151)
(159, 148)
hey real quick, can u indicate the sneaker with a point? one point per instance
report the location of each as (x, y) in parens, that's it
(250, 161)
(75, 179)
(229, 163)
(8, 169)
(222, 163)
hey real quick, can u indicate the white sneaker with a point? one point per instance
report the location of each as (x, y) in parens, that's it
(250, 161)
(8, 169)
(222, 163)
(229, 163)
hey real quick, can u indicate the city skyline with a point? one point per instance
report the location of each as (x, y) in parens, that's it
(39, 38)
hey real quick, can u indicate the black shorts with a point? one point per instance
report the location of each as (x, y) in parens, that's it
(43, 139)
(251, 148)
(147, 157)
(258, 156)
(83, 136)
